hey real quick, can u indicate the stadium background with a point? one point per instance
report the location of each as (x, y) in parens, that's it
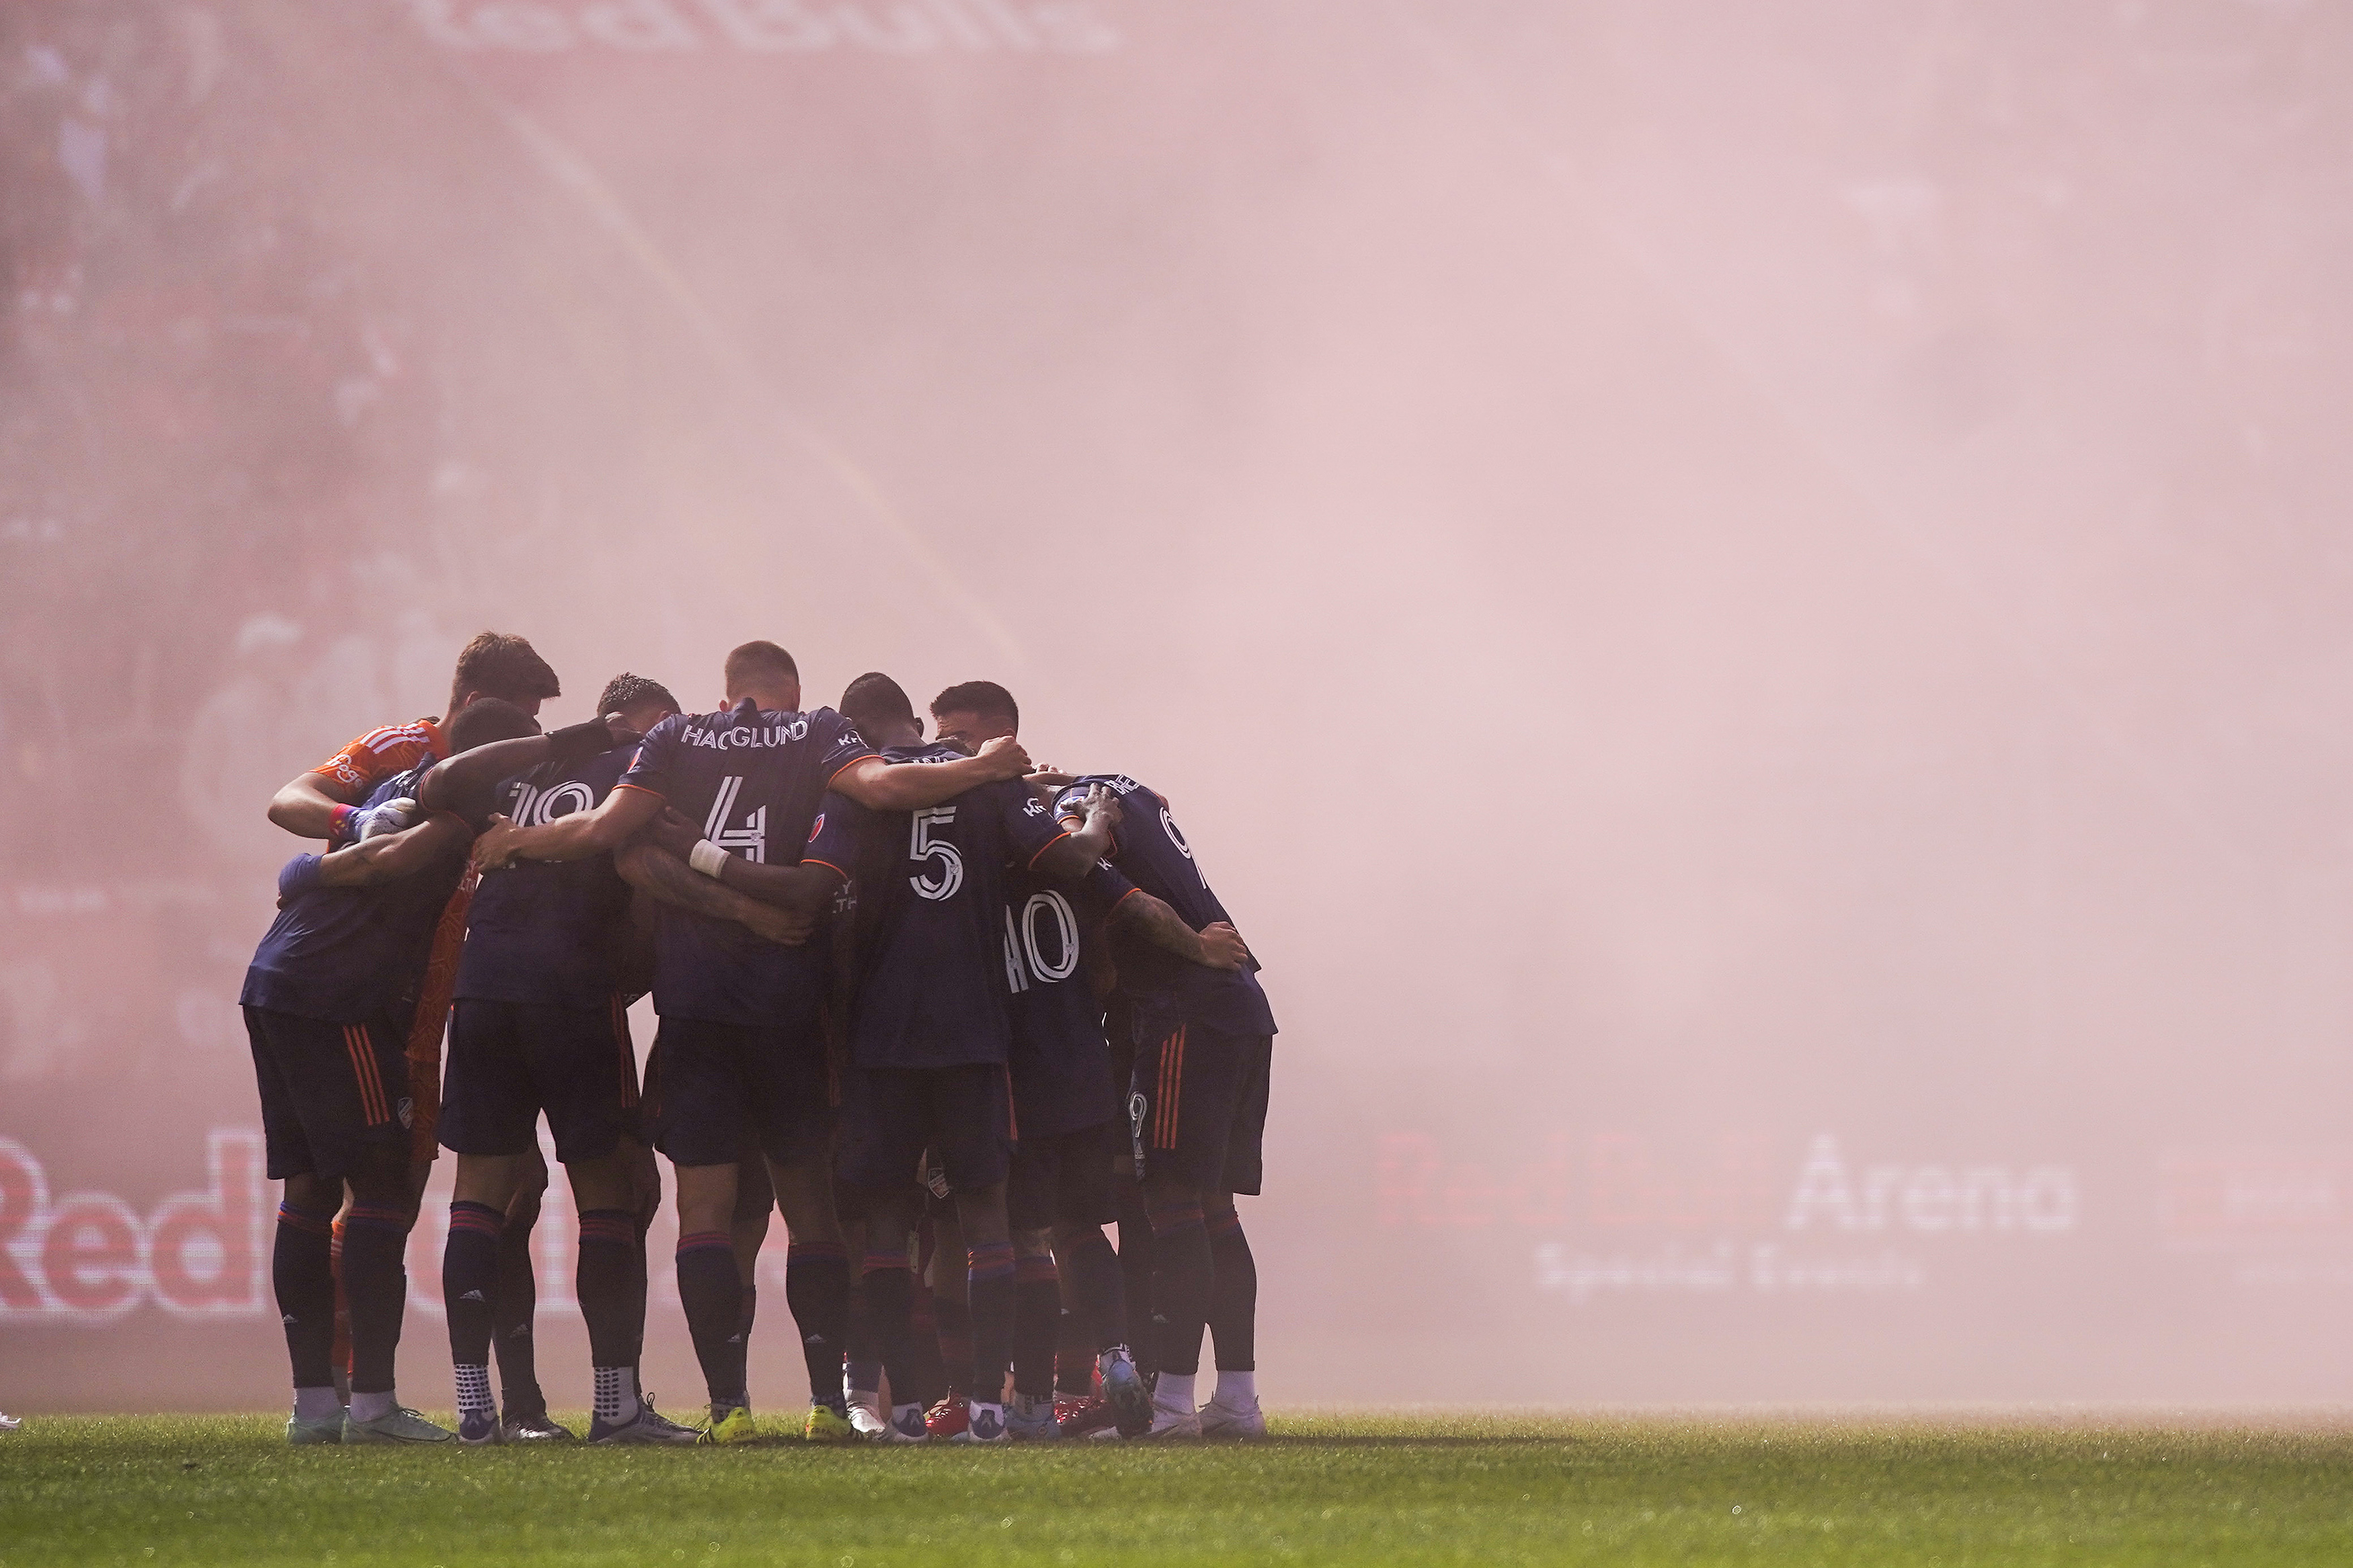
(1747, 603)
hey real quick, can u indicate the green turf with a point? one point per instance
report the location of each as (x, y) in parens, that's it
(1474, 1490)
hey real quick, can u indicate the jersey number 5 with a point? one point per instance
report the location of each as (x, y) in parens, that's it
(921, 846)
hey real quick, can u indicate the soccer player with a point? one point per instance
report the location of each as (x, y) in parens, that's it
(743, 1050)
(541, 1024)
(928, 1034)
(1196, 1106)
(1060, 1194)
(324, 803)
(325, 1002)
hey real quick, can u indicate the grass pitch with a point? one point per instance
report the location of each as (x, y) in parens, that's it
(1483, 1490)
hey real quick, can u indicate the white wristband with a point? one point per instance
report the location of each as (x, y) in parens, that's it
(706, 857)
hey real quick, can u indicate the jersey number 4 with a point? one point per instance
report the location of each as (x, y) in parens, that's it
(924, 850)
(752, 838)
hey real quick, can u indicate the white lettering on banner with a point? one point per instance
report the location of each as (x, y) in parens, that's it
(1929, 1198)
(87, 1257)
(1770, 1270)
(769, 27)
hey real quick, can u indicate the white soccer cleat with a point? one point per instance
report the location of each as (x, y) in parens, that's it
(1233, 1421)
(866, 1416)
(402, 1425)
(905, 1426)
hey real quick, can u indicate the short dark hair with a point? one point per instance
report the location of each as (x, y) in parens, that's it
(489, 718)
(760, 658)
(502, 665)
(876, 698)
(983, 698)
(626, 690)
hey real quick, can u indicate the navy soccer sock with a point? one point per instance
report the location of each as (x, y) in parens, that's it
(1095, 1287)
(953, 1314)
(1233, 1296)
(1182, 1273)
(1135, 1273)
(607, 1283)
(864, 1371)
(927, 1370)
(303, 1275)
(516, 1305)
(817, 1290)
(1037, 1325)
(711, 1292)
(470, 1280)
(988, 1284)
(375, 1279)
(890, 1291)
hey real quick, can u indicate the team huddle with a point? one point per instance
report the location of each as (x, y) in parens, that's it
(949, 1013)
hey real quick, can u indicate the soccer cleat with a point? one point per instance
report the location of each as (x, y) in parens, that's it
(10, 1423)
(736, 1426)
(1124, 1390)
(402, 1426)
(1031, 1418)
(648, 1426)
(827, 1425)
(905, 1426)
(539, 1427)
(983, 1424)
(1084, 1417)
(948, 1417)
(866, 1417)
(1169, 1426)
(1232, 1421)
(478, 1427)
(300, 1434)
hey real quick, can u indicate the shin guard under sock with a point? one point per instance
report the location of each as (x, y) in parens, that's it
(1182, 1275)
(1233, 1296)
(515, 1306)
(1037, 1325)
(302, 1273)
(988, 1286)
(606, 1281)
(889, 1293)
(1135, 1273)
(375, 1279)
(817, 1290)
(710, 1290)
(469, 1278)
(1095, 1288)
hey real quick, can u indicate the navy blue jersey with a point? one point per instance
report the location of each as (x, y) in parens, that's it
(1152, 853)
(752, 779)
(548, 932)
(930, 987)
(1061, 1066)
(350, 955)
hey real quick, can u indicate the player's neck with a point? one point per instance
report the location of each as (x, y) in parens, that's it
(897, 734)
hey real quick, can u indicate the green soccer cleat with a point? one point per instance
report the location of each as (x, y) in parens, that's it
(301, 1434)
(826, 1425)
(736, 1426)
(402, 1426)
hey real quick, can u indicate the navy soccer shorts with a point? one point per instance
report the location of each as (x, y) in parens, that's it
(510, 1060)
(1062, 1179)
(330, 1091)
(889, 1116)
(728, 1089)
(1197, 1105)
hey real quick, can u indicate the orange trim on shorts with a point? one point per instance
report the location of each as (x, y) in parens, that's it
(1168, 1101)
(361, 1051)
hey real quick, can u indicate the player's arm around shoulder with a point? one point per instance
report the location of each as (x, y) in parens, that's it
(388, 856)
(1215, 946)
(661, 876)
(880, 784)
(1089, 837)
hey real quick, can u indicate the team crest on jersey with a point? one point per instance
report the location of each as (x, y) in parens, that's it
(816, 827)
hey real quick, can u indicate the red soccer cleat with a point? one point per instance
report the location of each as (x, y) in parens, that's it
(949, 1416)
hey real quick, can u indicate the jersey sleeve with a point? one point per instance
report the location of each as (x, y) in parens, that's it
(841, 743)
(1102, 891)
(650, 768)
(370, 759)
(1030, 828)
(833, 837)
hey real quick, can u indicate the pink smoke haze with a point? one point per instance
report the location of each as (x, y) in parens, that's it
(1746, 603)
